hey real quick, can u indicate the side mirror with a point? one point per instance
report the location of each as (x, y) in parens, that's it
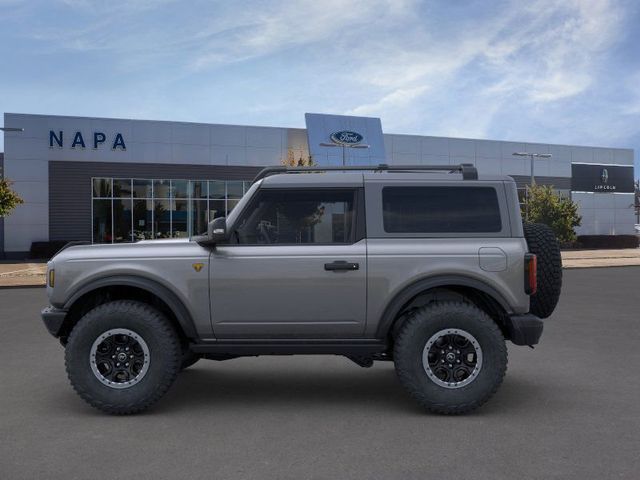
(216, 232)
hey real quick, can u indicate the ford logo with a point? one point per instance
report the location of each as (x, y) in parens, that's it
(346, 137)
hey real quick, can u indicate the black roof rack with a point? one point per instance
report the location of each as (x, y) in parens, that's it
(468, 171)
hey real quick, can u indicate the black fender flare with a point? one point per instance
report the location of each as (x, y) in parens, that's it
(394, 307)
(174, 303)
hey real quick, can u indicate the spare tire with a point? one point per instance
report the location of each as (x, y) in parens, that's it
(543, 243)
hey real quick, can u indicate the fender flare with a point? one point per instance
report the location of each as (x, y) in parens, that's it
(394, 307)
(174, 303)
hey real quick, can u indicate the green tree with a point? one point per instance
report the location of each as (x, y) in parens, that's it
(556, 211)
(8, 198)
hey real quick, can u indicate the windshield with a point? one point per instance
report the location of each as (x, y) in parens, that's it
(231, 219)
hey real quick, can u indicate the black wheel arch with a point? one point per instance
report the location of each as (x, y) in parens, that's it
(114, 287)
(475, 291)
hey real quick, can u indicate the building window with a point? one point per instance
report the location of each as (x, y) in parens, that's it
(131, 209)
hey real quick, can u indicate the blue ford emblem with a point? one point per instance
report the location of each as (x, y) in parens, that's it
(346, 137)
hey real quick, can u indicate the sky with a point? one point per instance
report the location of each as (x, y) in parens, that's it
(536, 70)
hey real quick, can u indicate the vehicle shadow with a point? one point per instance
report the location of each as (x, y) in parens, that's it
(376, 389)
(313, 389)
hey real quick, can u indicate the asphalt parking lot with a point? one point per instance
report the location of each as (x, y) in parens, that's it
(568, 409)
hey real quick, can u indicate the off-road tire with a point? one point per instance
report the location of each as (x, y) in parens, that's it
(164, 351)
(188, 359)
(414, 335)
(543, 243)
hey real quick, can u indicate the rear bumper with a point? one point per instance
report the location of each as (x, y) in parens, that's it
(53, 319)
(525, 329)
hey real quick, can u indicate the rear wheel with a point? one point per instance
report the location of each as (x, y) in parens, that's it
(451, 357)
(122, 356)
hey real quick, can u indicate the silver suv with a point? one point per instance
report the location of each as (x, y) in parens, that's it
(428, 267)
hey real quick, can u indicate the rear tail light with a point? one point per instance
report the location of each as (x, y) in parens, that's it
(530, 274)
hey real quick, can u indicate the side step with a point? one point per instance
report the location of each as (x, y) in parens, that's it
(242, 347)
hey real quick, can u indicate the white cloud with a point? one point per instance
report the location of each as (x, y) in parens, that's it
(250, 33)
(397, 99)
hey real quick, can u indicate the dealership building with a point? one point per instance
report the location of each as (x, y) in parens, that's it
(115, 180)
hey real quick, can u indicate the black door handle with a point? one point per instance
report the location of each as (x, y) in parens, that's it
(341, 265)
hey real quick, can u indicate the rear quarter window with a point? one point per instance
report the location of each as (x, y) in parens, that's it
(441, 209)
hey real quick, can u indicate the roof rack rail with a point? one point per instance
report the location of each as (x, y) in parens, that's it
(468, 170)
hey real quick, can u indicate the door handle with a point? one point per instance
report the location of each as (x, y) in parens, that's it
(341, 265)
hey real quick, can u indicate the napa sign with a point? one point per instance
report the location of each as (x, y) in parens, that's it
(98, 139)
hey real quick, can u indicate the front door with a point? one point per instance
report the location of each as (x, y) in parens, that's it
(295, 267)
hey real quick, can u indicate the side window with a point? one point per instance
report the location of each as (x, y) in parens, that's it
(291, 216)
(441, 210)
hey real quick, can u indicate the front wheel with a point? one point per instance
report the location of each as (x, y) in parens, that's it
(123, 356)
(451, 357)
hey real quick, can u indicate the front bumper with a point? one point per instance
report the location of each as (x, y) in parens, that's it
(525, 329)
(53, 319)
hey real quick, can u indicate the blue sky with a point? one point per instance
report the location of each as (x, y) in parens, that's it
(537, 70)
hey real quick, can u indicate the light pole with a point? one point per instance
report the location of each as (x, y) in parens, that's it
(533, 181)
(344, 148)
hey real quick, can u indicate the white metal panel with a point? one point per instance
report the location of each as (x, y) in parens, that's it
(228, 155)
(36, 192)
(558, 167)
(405, 158)
(190, 153)
(151, 132)
(428, 159)
(29, 214)
(623, 156)
(582, 154)
(515, 166)
(263, 156)
(435, 146)
(560, 153)
(603, 155)
(462, 147)
(406, 144)
(604, 200)
(508, 148)
(26, 170)
(190, 133)
(488, 149)
(584, 200)
(18, 238)
(228, 135)
(264, 137)
(489, 166)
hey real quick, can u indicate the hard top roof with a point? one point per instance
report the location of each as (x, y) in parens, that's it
(353, 176)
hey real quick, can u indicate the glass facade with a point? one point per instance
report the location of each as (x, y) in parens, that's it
(131, 209)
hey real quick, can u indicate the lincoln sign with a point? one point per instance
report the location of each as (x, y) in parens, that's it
(602, 178)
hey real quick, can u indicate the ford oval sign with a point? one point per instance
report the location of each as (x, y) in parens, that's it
(346, 137)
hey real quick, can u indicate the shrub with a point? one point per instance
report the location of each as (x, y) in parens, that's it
(8, 198)
(558, 212)
(291, 160)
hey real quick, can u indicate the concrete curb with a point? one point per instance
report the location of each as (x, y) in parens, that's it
(10, 287)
